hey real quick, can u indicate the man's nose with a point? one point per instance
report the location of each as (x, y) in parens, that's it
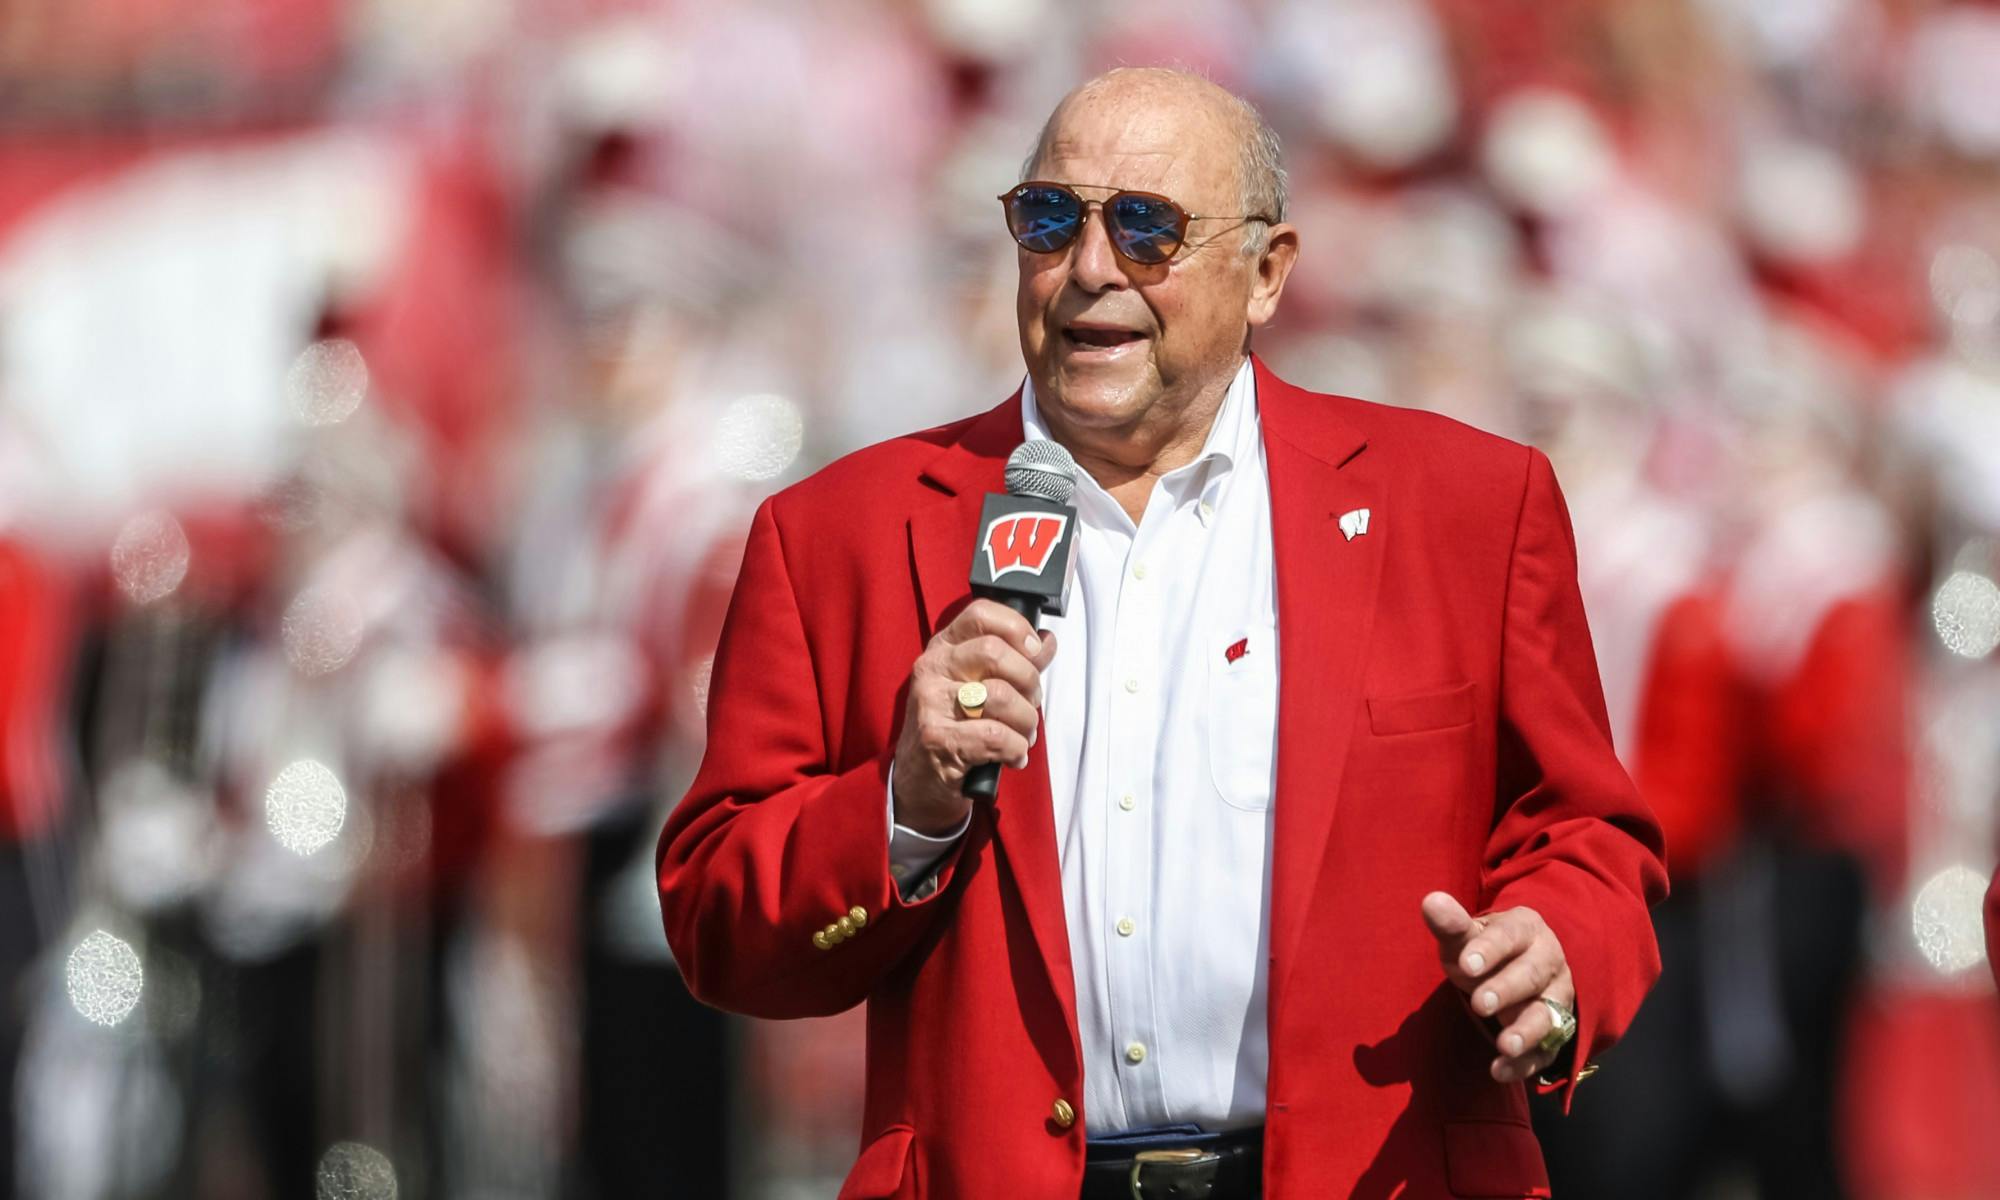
(1095, 266)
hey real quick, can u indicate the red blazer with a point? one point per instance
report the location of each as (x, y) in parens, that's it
(1441, 727)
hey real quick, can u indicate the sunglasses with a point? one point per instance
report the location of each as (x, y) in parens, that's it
(1144, 227)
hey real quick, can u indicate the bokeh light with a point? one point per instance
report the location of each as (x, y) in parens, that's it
(1945, 919)
(1965, 284)
(463, 339)
(758, 437)
(1965, 611)
(354, 1171)
(104, 977)
(149, 559)
(321, 631)
(305, 806)
(327, 382)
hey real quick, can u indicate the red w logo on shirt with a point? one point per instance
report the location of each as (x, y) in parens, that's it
(1022, 542)
(1237, 649)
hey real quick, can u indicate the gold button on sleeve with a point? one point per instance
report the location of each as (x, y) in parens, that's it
(834, 935)
(846, 926)
(1064, 1115)
(859, 914)
(819, 939)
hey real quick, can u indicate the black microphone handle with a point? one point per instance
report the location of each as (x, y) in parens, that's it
(983, 781)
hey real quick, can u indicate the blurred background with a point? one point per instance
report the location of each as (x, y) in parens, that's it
(385, 389)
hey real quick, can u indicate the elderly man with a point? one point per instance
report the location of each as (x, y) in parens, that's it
(1322, 691)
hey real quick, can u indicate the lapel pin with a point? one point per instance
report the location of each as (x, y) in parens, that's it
(1237, 649)
(1354, 524)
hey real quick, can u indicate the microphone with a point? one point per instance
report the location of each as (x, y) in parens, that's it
(1023, 557)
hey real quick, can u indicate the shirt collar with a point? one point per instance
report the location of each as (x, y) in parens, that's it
(1231, 437)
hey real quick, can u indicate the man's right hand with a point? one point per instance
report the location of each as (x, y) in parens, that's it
(991, 644)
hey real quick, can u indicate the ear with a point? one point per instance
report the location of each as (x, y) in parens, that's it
(1273, 267)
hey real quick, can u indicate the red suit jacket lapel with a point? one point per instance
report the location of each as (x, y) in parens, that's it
(942, 534)
(1327, 587)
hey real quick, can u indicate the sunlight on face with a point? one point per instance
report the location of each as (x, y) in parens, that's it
(1107, 340)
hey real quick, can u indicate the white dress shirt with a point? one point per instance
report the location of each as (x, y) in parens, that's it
(1160, 713)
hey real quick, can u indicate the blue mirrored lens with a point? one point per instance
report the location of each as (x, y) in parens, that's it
(1043, 218)
(1147, 230)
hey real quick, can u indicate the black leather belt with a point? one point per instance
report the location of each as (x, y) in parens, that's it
(1192, 1166)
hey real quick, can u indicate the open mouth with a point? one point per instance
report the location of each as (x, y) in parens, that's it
(1101, 339)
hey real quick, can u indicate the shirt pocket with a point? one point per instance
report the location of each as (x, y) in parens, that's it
(1243, 715)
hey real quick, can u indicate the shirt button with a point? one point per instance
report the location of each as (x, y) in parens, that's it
(1207, 511)
(1132, 685)
(1064, 1115)
(1126, 802)
(1135, 1053)
(1138, 570)
(1126, 927)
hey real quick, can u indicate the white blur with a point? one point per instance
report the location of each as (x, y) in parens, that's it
(758, 437)
(1945, 920)
(104, 978)
(327, 382)
(305, 807)
(149, 558)
(355, 1171)
(1965, 611)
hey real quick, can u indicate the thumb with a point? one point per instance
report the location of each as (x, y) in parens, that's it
(1446, 917)
(1048, 651)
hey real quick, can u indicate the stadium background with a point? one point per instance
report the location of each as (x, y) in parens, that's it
(385, 387)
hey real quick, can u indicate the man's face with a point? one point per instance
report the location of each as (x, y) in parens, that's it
(1107, 340)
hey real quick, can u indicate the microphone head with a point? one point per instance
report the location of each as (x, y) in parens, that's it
(1041, 469)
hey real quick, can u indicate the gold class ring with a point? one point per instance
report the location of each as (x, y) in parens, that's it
(1562, 1027)
(972, 699)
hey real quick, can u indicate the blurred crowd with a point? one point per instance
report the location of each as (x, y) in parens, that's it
(385, 388)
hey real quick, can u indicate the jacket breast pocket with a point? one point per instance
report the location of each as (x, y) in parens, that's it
(879, 1173)
(1421, 712)
(1243, 715)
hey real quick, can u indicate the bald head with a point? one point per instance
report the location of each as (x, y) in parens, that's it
(1131, 356)
(1184, 97)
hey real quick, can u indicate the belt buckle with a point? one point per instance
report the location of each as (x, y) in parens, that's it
(1184, 1174)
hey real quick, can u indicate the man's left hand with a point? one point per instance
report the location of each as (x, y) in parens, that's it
(1503, 961)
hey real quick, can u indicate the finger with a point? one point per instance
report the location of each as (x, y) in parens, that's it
(1525, 1025)
(1005, 705)
(962, 745)
(1513, 1070)
(990, 618)
(1448, 922)
(1048, 651)
(1503, 939)
(991, 657)
(1522, 979)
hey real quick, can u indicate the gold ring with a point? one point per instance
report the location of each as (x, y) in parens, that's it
(972, 699)
(1563, 1029)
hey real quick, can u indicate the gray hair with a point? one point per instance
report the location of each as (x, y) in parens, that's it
(1260, 164)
